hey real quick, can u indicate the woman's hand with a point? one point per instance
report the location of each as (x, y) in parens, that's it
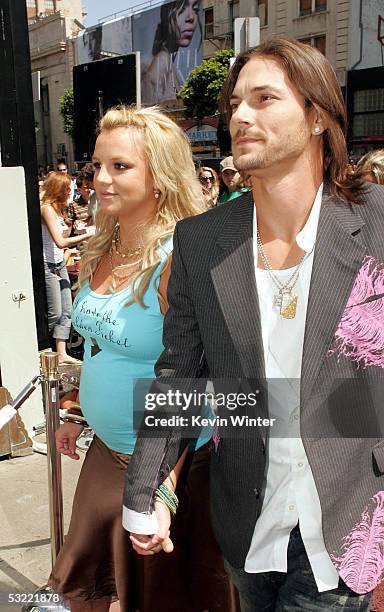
(66, 437)
(150, 544)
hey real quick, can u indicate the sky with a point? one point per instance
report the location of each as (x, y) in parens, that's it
(97, 9)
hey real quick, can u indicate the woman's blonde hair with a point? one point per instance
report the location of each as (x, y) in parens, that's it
(215, 185)
(169, 157)
(372, 164)
(55, 191)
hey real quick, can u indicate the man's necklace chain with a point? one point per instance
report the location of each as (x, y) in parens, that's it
(284, 300)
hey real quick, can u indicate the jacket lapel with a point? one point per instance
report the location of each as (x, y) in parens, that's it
(339, 254)
(233, 276)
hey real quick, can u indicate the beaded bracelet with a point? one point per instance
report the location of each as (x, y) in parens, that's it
(167, 500)
(159, 497)
(167, 491)
(167, 497)
(170, 502)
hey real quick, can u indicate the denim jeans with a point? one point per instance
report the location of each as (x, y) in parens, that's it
(294, 591)
(59, 299)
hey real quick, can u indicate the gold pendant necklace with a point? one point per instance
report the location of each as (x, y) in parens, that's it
(285, 300)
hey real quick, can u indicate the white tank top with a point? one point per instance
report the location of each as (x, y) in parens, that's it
(51, 252)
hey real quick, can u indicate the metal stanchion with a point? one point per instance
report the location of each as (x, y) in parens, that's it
(49, 367)
(44, 598)
(49, 379)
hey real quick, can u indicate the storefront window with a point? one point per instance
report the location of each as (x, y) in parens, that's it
(367, 100)
(370, 124)
(368, 106)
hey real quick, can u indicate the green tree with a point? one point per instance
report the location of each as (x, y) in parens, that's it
(67, 109)
(201, 91)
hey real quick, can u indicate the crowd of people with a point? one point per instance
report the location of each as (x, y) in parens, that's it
(259, 288)
(68, 210)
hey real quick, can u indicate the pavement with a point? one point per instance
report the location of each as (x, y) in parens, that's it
(25, 554)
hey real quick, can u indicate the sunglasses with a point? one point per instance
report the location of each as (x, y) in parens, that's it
(205, 179)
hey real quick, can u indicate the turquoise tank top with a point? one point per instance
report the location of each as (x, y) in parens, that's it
(121, 344)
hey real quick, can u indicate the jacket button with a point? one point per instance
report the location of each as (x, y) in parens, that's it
(257, 493)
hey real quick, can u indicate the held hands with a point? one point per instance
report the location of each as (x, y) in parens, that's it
(151, 544)
(166, 503)
(66, 437)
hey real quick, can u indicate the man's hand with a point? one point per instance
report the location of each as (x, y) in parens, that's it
(66, 437)
(151, 544)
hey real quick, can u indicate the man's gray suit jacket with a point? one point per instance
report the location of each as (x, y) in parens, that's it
(213, 323)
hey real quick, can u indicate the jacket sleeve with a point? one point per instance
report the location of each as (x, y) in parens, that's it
(182, 360)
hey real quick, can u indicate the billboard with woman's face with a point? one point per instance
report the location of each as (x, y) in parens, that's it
(169, 38)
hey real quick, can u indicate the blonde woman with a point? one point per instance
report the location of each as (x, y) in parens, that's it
(145, 182)
(55, 231)
(210, 184)
(371, 166)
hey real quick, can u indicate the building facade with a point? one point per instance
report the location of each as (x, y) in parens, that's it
(346, 31)
(53, 24)
(350, 33)
(320, 23)
(365, 76)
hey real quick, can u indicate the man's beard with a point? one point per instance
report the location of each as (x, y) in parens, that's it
(251, 161)
(292, 146)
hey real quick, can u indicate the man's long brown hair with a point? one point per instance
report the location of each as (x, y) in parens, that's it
(313, 76)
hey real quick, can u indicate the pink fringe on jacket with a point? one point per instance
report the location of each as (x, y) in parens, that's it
(361, 565)
(360, 334)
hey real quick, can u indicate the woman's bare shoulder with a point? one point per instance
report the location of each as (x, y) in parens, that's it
(160, 61)
(47, 210)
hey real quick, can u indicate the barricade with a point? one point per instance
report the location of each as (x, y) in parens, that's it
(49, 379)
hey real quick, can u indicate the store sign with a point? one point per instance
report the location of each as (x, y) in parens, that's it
(205, 133)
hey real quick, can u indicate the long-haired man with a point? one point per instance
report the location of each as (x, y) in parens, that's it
(288, 287)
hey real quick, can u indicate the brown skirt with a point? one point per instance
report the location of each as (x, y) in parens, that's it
(97, 560)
